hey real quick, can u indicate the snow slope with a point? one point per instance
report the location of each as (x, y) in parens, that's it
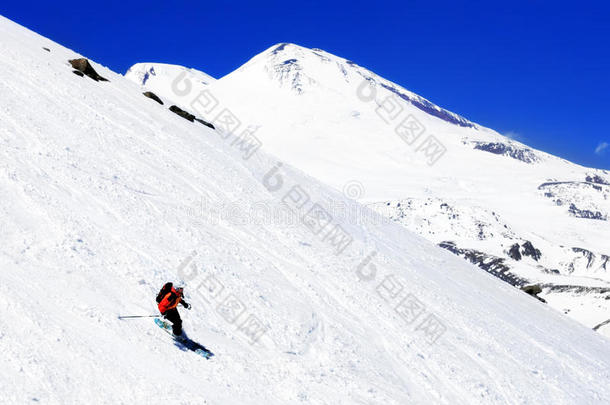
(157, 77)
(106, 193)
(481, 191)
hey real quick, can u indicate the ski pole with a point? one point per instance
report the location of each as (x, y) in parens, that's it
(139, 316)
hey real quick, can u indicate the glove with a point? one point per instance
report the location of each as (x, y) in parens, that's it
(188, 306)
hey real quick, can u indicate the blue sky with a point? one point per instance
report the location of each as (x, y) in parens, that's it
(538, 71)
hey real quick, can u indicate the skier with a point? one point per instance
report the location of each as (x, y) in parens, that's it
(168, 300)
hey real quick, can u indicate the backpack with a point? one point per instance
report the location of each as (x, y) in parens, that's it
(166, 288)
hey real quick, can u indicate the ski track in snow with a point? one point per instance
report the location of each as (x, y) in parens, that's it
(96, 183)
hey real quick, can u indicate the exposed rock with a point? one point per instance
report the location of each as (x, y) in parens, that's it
(514, 253)
(83, 65)
(430, 108)
(177, 110)
(587, 214)
(533, 290)
(46, 49)
(280, 47)
(605, 262)
(577, 289)
(529, 250)
(492, 264)
(517, 252)
(587, 254)
(583, 199)
(570, 183)
(207, 124)
(597, 180)
(601, 324)
(151, 72)
(76, 72)
(523, 154)
(189, 116)
(153, 96)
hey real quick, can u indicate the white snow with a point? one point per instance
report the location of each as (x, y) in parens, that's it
(105, 193)
(322, 114)
(158, 77)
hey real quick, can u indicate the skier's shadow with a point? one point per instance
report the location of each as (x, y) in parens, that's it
(185, 343)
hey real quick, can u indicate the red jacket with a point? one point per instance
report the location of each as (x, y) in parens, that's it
(170, 301)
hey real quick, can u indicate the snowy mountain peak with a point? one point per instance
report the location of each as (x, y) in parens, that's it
(143, 72)
(158, 77)
(299, 68)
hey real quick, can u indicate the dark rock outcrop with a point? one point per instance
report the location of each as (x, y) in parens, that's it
(151, 72)
(517, 252)
(605, 262)
(514, 253)
(529, 250)
(177, 110)
(279, 48)
(597, 180)
(591, 257)
(595, 328)
(153, 96)
(577, 289)
(533, 290)
(587, 214)
(207, 124)
(523, 154)
(188, 116)
(567, 193)
(430, 108)
(570, 183)
(587, 254)
(82, 65)
(46, 49)
(492, 264)
(77, 73)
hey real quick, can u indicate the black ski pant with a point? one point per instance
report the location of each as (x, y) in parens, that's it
(173, 316)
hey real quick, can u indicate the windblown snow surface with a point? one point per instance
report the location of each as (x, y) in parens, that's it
(98, 186)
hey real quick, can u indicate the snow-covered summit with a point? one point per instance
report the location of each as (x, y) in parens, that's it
(147, 73)
(157, 77)
(291, 65)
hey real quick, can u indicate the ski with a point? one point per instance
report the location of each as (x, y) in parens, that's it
(185, 342)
